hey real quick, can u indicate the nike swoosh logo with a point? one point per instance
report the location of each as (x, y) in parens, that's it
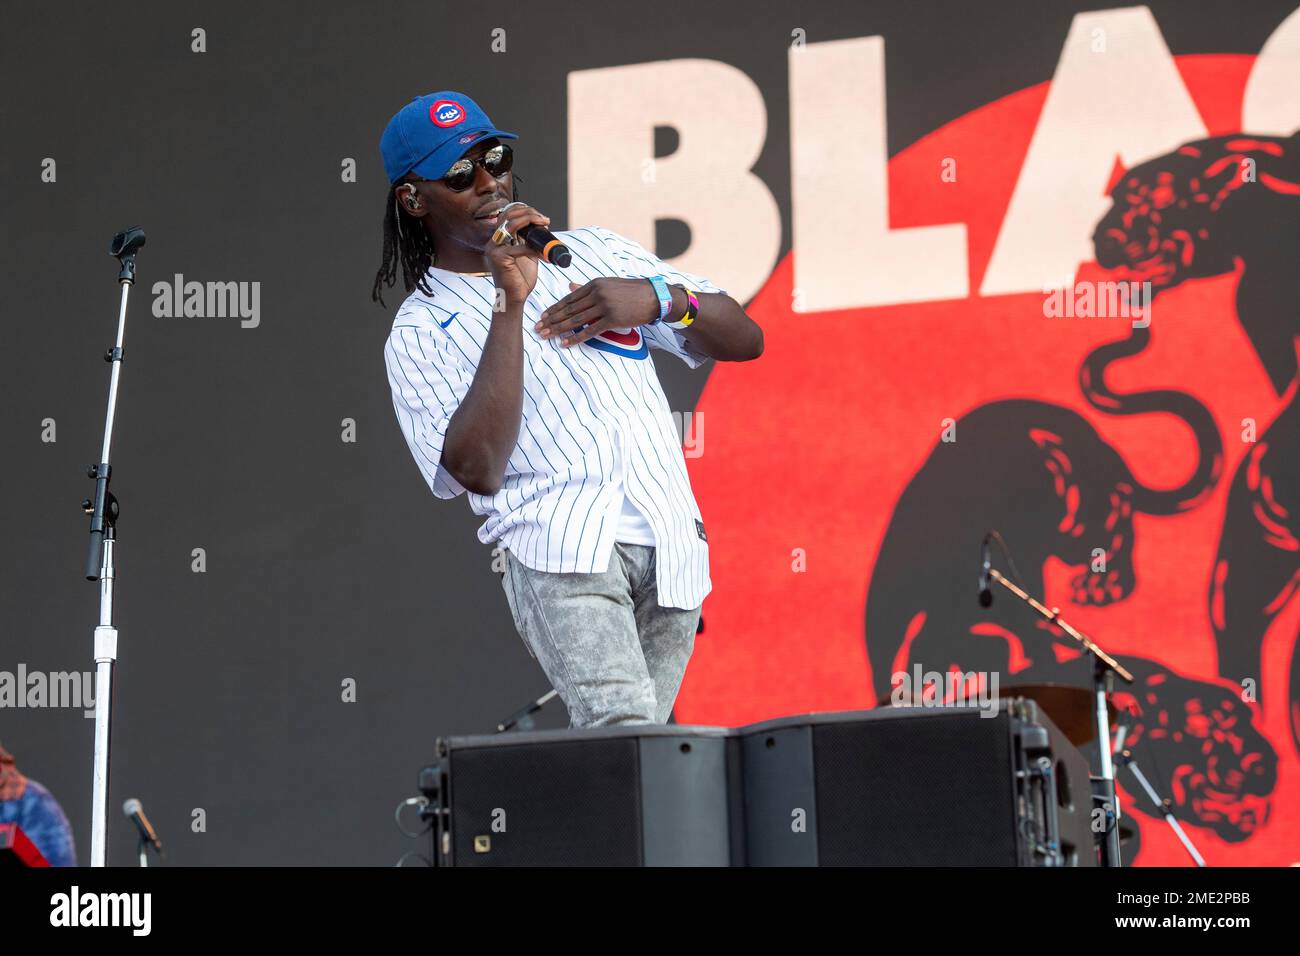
(449, 318)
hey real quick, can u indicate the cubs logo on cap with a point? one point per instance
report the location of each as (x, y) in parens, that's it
(431, 132)
(446, 113)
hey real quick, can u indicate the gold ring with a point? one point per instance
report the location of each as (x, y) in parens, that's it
(503, 237)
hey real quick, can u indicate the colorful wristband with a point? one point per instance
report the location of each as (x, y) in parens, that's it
(692, 310)
(665, 297)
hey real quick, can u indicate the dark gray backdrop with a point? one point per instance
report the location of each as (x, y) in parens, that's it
(325, 560)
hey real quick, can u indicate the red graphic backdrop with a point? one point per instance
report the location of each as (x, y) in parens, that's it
(810, 447)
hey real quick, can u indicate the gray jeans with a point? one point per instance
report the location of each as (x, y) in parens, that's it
(613, 654)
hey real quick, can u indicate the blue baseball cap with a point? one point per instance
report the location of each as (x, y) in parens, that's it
(431, 132)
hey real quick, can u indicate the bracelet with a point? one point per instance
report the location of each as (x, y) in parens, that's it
(665, 297)
(692, 310)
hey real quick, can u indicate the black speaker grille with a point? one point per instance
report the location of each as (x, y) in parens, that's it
(950, 802)
(565, 804)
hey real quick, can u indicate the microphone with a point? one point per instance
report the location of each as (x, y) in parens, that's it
(135, 813)
(541, 239)
(986, 594)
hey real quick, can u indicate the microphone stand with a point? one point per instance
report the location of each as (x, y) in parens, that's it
(1103, 667)
(1126, 760)
(103, 510)
(523, 719)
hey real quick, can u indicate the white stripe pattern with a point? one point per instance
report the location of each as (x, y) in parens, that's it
(596, 423)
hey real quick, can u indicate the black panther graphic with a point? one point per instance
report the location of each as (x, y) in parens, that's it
(1209, 208)
(1042, 476)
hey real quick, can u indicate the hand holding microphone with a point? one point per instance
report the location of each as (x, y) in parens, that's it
(540, 238)
(514, 263)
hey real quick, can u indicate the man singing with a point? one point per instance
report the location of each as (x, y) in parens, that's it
(530, 387)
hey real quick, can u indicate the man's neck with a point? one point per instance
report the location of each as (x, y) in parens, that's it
(459, 259)
(463, 268)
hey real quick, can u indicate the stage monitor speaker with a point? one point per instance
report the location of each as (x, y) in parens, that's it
(926, 786)
(916, 786)
(644, 795)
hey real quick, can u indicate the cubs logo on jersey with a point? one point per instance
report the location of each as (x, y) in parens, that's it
(628, 343)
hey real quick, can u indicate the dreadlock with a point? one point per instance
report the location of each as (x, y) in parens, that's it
(410, 243)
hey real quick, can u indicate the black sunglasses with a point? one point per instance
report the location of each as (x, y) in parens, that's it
(497, 161)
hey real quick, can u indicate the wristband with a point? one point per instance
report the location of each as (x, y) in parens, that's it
(665, 297)
(692, 310)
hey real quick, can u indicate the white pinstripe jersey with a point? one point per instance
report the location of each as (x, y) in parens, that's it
(596, 424)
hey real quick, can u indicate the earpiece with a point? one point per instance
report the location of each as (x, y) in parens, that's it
(411, 202)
